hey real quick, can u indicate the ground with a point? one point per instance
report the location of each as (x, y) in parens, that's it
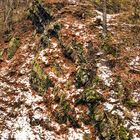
(66, 82)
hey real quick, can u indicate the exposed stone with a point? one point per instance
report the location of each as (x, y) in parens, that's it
(39, 81)
(74, 52)
(39, 16)
(53, 29)
(82, 77)
(13, 46)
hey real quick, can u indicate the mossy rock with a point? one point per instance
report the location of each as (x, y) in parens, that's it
(64, 113)
(111, 128)
(44, 41)
(39, 16)
(74, 52)
(60, 117)
(13, 46)
(82, 77)
(98, 114)
(89, 96)
(53, 29)
(109, 49)
(39, 81)
(92, 96)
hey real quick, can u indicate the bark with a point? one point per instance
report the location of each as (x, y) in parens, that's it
(104, 19)
(9, 6)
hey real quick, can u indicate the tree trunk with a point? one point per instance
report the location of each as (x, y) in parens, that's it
(8, 14)
(104, 19)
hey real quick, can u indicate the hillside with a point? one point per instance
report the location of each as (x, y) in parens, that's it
(60, 80)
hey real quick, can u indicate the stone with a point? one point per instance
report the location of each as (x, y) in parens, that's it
(13, 46)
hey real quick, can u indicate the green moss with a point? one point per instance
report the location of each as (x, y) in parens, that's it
(13, 46)
(109, 49)
(82, 77)
(123, 134)
(64, 113)
(130, 103)
(39, 81)
(91, 95)
(74, 52)
(95, 80)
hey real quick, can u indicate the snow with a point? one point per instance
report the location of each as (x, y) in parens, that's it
(72, 135)
(104, 74)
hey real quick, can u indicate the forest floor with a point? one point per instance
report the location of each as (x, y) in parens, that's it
(24, 114)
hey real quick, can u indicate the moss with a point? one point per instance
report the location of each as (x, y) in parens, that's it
(95, 80)
(92, 96)
(39, 16)
(60, 117)
(80, 52)
(109, 49)
(44, 41)
(82, 77)
(74, 52)
(39, 81)
(13, 46)
(64, 113)
(130, 103)
(123, 134)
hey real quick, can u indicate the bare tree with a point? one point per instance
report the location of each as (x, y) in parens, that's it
(8, 14)
(136, 9)
(104, 19)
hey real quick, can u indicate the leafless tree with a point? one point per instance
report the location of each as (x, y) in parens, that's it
(136, 9)
(104, 19)
(8, 14)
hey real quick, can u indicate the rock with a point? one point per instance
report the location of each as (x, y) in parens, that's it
(92, 96)
(39, 16)
(53, 29)
(13, 46)
(39, 81)
(75, 52)
(82, 77)
(44, 41)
